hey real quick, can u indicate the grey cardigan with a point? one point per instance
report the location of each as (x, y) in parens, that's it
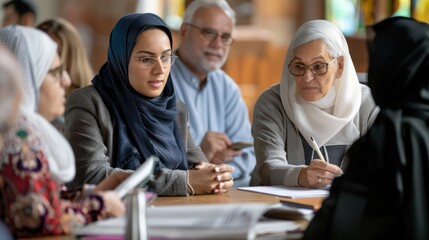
(278, 146)
(90, 131)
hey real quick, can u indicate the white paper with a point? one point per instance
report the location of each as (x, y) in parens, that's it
(218, 221)
(288, 192)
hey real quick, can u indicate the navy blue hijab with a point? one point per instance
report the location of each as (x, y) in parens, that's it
(143, 126)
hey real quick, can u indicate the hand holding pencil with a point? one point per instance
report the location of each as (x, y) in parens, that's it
(316, 148)
(319, 173)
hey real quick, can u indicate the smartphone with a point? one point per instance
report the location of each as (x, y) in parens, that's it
(240, 145)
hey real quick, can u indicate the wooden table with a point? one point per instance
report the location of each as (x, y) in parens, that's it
(233, 196)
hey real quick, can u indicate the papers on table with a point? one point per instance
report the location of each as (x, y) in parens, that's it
(288, 192)
(199, 221)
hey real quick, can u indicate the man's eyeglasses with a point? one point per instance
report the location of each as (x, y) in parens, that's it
(298, 69)
(149, 62)
(211, 34)
(57, 72)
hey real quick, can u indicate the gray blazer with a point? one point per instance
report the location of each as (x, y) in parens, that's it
(90, 131)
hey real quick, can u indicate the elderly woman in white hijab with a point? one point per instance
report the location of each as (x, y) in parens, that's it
(36, 159)
(40, 65)
(319, 98)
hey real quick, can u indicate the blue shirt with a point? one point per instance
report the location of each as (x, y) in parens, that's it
(217, 106)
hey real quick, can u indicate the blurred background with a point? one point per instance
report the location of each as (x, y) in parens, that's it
(264, 29)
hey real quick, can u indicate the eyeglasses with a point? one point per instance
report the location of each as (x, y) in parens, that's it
(298, 69)
(211, 34)
(149, 62)
(57, 72)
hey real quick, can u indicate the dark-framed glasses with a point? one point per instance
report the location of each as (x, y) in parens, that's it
(318, 68)
(149, 62)
(211, 34)
(57, 72)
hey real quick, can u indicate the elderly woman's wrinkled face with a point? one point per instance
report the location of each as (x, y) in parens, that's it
(314, 59)
(150, 63)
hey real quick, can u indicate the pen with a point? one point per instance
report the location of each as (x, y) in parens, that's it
(316, 148)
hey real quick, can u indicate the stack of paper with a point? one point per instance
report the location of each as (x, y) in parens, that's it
(200, 221)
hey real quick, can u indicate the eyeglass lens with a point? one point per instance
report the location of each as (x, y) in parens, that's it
(148, 62)
(299, 69)
(211, 34)
(57, 72)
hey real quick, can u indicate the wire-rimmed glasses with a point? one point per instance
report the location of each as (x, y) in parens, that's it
(211, 34)
(149, 62)
(57, 72)
(318, 68)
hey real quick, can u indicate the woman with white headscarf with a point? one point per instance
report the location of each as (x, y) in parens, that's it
(36, 160)
(36, 60)
(320, 98)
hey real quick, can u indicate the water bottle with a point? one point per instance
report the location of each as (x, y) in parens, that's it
(136, 228)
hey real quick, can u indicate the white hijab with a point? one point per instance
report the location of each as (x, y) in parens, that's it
(35, 52)
(343, 100)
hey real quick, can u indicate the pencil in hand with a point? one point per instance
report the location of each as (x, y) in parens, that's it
(316, 148)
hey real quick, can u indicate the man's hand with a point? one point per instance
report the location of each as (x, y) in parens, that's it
(215, 147)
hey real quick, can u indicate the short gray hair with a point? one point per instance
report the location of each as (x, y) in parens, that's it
(198, 4)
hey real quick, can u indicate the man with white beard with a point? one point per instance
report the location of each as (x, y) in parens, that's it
(218, 114)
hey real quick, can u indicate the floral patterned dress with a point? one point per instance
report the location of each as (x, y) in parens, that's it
(30, 202)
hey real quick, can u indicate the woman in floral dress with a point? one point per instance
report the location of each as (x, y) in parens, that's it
(36, 160)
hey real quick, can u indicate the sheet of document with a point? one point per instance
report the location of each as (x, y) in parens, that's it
(288, 192)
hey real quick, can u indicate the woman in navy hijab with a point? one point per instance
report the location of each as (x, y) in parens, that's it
(131, 113)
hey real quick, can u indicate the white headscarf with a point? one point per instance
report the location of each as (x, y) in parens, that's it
(35, 51)
(344, 98)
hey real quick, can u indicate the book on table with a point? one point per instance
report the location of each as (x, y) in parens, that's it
(208, 221)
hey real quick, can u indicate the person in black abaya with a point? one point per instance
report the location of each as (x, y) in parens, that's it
(384, 194)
